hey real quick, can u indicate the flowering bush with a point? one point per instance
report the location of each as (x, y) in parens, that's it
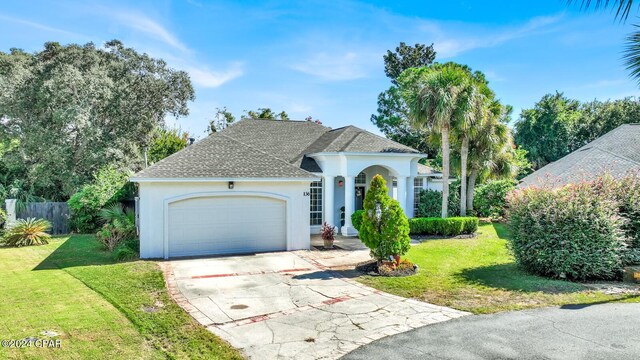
(581, 231)
(327, 232)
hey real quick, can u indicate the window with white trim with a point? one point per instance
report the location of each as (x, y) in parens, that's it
(315, 209)
(417, 187)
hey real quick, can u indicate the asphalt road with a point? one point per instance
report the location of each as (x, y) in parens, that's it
(606, 331)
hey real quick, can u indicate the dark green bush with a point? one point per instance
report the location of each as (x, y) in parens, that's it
(356, 219)
(490, 199)
(581, 231)
(384, 229)
(124, 253)
(430, 202)
(452, 226)
(110, 185)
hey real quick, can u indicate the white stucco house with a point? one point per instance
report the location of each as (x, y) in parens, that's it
(265, 185)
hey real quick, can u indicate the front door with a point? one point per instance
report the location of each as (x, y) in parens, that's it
(359, 197)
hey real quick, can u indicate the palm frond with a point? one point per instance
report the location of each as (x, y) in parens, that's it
(632, 54)
(623, 7)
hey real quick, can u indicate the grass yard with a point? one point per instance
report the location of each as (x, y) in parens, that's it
(101, 309)
(479, 275)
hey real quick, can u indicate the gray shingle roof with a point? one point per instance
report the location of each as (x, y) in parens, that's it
(267, 149)
(427, 170)
(617, 152)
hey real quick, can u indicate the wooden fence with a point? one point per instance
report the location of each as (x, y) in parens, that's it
(56, 212)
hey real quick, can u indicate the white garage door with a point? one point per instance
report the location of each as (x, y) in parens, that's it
(226, 225)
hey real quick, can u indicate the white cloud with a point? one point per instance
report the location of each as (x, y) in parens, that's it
(448, 45)
(148, 26)
(336, 67)
(203, 76)
(39, 26)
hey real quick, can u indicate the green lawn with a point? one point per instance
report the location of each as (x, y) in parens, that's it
(479, 275)
(101, 309)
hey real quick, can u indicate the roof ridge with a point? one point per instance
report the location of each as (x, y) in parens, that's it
(617, 155)
(265, 153)
(283, 121)
(187, 148)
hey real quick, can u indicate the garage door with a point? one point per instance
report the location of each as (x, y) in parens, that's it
(226, 225)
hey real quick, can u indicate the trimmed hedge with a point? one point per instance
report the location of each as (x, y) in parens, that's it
(452, 226)
(356, 219)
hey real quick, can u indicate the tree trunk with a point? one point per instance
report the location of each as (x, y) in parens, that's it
(471, 187)
(464, 155)
(445, 170)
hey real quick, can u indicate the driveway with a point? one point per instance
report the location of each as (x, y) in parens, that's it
(291, 305)
(608, 331)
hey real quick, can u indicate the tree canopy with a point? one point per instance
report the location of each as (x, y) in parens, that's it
(392, 115)
(70, 110)
(557, 125)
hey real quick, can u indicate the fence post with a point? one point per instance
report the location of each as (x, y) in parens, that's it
(11, 210)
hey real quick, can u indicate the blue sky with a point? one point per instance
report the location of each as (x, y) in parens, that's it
(324, 58)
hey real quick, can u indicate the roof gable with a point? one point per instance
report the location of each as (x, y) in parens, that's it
(267, 149)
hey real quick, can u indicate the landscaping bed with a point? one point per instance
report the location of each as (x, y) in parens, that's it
(375, 268)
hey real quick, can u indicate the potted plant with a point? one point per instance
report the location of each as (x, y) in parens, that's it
(328, 235)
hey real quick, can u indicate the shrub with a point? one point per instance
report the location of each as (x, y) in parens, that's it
(446, 227)
(580, 231)
(27, 232)
(356, 219)
(119, 226)
(430, 202)
(110, 185)
(124, 253)
(490, 199)
(3, 218)
(385, 228)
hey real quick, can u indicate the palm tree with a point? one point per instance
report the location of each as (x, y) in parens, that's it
(436, 97)
(491, 155)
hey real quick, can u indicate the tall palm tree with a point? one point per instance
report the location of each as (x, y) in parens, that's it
(491, 155)
(436, 98)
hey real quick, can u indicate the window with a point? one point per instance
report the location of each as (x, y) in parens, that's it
(417, 187)
(316, 203)
(361, 178)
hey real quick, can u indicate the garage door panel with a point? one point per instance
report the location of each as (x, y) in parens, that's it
(220, 225)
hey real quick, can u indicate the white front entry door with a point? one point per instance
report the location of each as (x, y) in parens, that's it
(226, 225)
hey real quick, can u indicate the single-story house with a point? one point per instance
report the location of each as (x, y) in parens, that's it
(266, 185)
(616, 152)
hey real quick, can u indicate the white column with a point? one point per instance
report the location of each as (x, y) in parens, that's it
(327, 195)
(349, 199)
(11, 211)
(410, 196)
(402, 193)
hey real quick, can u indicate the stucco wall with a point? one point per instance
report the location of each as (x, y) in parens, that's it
(155, 196)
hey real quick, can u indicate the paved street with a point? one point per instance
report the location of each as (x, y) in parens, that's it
(608, 331)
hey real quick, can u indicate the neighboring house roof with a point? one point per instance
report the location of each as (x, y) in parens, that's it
(425, 170)
(267, 149)
(616, 152)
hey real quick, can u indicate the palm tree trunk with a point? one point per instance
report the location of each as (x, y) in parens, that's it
(473, 176)
(445, 170)
(464, 155)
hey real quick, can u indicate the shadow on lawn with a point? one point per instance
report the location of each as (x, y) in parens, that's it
(77, 250)
(510, 277)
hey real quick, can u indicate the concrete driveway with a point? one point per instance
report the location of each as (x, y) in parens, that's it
(291, 305)
(607, 331)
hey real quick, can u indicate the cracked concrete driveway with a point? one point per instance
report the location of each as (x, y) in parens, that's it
(289, 305)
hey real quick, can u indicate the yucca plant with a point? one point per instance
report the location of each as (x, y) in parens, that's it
(28, 232)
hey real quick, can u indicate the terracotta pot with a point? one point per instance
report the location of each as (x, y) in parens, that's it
(328, 244)
(397, 259)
